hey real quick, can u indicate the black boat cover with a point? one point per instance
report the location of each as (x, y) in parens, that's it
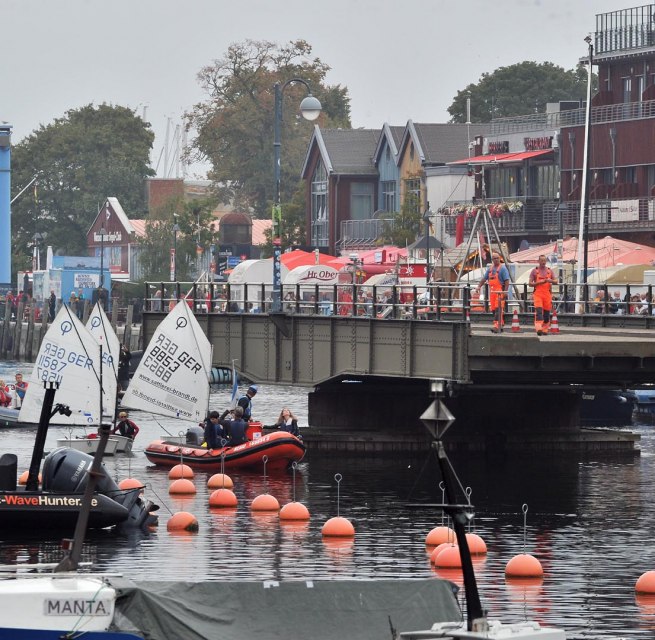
(320, 610)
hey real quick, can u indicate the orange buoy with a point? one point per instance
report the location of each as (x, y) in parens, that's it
(338, 527)
(220, 481)
(437, 550)
(222, 499)
(180, 471)
(265, 502)
(130, 483)
(24, 476)
(524, 566)
(182, 521)
(477, 545)
(294, 511)
(182, 486)
(439, 535)
(449, 558)
(646, 583)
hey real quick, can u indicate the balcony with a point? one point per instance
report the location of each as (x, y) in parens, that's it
(625, 30)
(362, 234)
(605, 216)
(574, 117)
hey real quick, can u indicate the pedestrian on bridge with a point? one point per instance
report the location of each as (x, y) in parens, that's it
(497, 277)
(542, 278)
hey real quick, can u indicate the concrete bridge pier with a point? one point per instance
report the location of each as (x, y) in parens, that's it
(382, 414)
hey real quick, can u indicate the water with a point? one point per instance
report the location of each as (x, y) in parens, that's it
(589, 521)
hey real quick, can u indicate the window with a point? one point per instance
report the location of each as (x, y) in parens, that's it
(361, 200)
(389, 195)
(413, 193)
(630, 174)
(547, 181)
(319, 212)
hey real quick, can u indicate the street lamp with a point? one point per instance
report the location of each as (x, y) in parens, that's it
(102, 233)
(583, 231)
(176, 229)
(310, 108)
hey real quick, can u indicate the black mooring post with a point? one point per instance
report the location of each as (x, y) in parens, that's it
(41, 433)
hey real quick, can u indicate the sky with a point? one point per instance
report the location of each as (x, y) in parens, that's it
(399, 59)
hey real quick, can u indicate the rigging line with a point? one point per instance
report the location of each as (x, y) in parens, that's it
(104, 330)
(421, 472)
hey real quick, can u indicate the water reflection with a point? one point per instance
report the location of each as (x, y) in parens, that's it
(590, 522)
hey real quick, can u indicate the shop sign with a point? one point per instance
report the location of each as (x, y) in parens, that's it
(538, 144)
(499, 146)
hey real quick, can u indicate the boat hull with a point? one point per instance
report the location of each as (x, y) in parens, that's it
(21, 509)
(281, 449)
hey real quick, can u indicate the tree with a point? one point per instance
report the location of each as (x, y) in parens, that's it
(406, 223)
(293, 230)
(517, 90)
(78, 160)
(235, 124)
(197, 230)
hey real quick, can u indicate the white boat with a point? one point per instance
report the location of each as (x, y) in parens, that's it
(70, 355)
(89, 445)
(173, 376)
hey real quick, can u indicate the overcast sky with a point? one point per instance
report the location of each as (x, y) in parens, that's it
(400, 59)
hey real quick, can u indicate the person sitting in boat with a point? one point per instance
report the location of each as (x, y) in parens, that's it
(5, 394)
(20, 386)
(213, 430)
(287, 422)
(235, 428)
(125, 426)
(245, 402)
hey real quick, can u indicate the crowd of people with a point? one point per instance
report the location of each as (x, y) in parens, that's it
(230, 429)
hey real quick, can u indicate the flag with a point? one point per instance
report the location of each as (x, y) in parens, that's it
(235, 388)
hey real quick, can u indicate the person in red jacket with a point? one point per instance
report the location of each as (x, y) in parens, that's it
(5, 394)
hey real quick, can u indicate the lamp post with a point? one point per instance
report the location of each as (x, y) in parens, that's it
(102, 233)
(176, 229)
(583, 240)
(426, 219)
(310, 108)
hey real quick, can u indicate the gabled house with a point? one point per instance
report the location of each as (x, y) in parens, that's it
(386, 160)
(114, 235)
(341, 182)
(425, 150)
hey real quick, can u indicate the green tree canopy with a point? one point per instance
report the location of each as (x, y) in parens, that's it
(196, 229)
(235, 124)
(517, 90)
(78, 160)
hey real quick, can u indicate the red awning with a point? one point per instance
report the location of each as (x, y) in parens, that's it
(500, 158)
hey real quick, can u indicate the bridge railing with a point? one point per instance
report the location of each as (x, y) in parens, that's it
(437, 301)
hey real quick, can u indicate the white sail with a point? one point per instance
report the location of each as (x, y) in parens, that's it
(100, 328)
(69, 355)
(172, 378)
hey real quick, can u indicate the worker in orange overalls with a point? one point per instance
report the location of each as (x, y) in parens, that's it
(497, 276)
(542, 278)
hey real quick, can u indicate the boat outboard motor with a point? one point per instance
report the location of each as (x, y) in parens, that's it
(8, 467)
(195, 436)
(66, 469)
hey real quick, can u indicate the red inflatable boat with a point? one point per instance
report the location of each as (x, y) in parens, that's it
(280, 448)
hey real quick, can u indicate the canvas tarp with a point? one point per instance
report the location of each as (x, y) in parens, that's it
(321, 610)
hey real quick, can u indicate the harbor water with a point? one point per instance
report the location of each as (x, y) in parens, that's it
(590, 522)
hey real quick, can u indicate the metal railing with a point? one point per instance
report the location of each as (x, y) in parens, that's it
(438, 301)
(573, 117)
(363, 234)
